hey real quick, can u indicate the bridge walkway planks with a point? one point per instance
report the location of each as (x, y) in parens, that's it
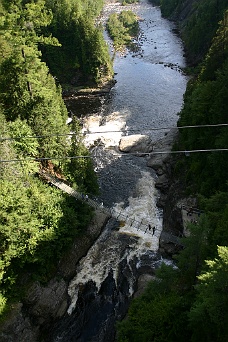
(166, 237)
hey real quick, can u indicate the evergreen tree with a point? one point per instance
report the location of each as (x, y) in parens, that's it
(206, 102)
(80, 167)
(160, 314)
(83, 54)
(27, 90)
(209, 314)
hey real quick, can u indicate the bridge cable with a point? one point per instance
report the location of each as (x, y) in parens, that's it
(141, 129)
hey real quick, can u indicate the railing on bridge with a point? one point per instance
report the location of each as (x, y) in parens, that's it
(139, 225)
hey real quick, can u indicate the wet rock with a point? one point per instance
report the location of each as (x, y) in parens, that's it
(143, 281)
(162, 182)
(18, 327)
(80, 246)
(43, 305)
(162, 200)
(158, 162)
(136, 143)
(169, 249)
(161, 158)
(47, 303)
(148, 263)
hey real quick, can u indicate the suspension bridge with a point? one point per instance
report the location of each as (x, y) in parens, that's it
(118, 215)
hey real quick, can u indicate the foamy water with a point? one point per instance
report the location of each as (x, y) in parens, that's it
(109, 133)
(147, 94)
(134, 221)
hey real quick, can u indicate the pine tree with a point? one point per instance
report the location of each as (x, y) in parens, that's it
(209, 314)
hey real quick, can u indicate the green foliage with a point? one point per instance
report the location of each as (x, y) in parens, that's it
(207, 14)
(160, 314)
(94, 56)
(3, 301)
(196, 249)
(27, 90)
(209, 313)
(218, 52)
(169, 309)
(216, 208)
(168, 6)
(37, 222)
(206, 103)
(83, 55)
(122, 28)
(24, 144)
(199, 27)
(81, 170)
(158, 320)
(189, 303)
(38, 101)
(126, 2)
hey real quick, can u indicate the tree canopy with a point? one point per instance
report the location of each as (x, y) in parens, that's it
(122, 28)
(83, 55)
(197, 21)
(37, 222)
(188, 302)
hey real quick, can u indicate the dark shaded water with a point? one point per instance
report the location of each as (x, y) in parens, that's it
(148, 94)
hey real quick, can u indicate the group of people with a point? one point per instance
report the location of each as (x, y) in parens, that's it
(86, 198)
(153, 229)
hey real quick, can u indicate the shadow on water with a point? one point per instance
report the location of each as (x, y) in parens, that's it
(84, 105)
(148, 93)
(94, 317)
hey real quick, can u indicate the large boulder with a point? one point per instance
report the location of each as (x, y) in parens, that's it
(160, 159)
(136, 143)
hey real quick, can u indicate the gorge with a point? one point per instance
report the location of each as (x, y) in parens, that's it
(146, 97)
(72, 273)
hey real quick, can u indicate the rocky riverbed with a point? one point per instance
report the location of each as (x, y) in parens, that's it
(43, 305)
(160, 87)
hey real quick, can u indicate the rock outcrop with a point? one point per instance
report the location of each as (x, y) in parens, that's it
(160, 161)
(171, 190)
(136, 143)
(42, 305)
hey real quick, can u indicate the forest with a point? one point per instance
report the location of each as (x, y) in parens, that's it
(44, 45)
(47, 45)
(121, 28)
(190, 302)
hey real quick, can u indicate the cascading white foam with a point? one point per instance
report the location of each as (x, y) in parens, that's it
(109, 133)
(144, 108)
(105, 253)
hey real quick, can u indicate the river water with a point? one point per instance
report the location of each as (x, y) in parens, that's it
(148, 94)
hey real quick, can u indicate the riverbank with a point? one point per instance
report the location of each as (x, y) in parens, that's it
(43, 304)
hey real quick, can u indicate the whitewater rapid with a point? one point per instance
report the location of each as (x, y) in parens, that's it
(148, 94)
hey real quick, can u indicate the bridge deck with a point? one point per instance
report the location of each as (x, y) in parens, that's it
(143, 226)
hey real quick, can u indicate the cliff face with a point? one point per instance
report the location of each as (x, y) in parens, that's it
(42, 305)
(184, 11)
(197, 21)
(182, 15)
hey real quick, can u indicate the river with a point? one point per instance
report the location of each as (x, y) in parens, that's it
(148, 94)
